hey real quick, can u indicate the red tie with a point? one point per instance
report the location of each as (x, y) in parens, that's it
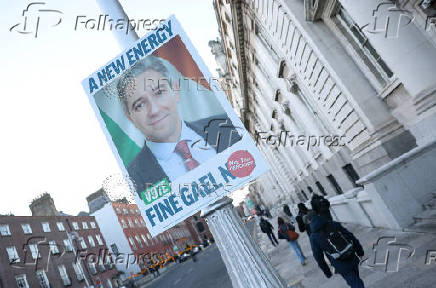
(183, 150)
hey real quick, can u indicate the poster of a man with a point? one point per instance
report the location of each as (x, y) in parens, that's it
(171, 128)
(173, 147)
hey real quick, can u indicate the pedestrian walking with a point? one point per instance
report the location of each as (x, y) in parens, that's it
(267, 227)
(323, 206)
(288, 213)
(338, 244)
(303, 218)
(287, 232)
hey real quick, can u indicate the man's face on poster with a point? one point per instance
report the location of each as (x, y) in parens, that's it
(153, 107)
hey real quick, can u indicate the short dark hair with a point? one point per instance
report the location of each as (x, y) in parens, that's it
(280, 221)
(126, 83)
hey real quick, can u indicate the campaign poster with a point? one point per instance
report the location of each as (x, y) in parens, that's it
(170, 127)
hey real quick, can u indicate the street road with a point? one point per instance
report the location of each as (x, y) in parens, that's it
(208, 271)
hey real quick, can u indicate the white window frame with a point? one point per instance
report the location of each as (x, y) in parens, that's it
(26, 228)
(138, 239)
(99, 239)
(40, 275)
(68, 245)
(92, 268)
(22, 277)
(132, 243)
(91, 241)
(53, 247)
(64, 275)
(45, 227)
(118, 210)
(82, 243)
(34, 251)
(76, 226)
(93, 225)
(4, 230)
(123, 223)
(131, 225)
(137, 223)
(125, 211)
(78, 270)
(61, 226)
(144, 239)
(85, 225)
(109, 283)
(13, 254)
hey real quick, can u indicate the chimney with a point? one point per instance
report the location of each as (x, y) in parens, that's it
(97, 200)
(43, 206)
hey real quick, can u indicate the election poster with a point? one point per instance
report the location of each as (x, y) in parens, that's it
(169, 125)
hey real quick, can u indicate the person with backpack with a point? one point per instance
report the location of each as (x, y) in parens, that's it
(303, 218)
(339, 245)
(287, 232)
(267, 228)
(323, 206)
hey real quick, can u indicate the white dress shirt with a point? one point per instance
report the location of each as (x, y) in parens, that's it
(172, 163)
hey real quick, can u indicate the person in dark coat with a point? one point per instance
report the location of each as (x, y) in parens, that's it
(303, 218)
(267, 228)
(348, 268)
(323, 206)
(283, 229)
(288, 213)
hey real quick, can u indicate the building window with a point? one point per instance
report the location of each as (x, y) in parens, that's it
(125, 211)
(144, 239)
(123, 223)
(34, 250)
(369, 56)
(68, 246)
(304, 194)
(85, 225)
(92, 268)
(132, 212)
(64, 276)
(26, 228)
(53, 247)
(91, 241)
(76, 226)
(78, 270)
(118, 210)
(310, 189)
(139, 241)
(21, 281)
(60, 226)
(99, 240)
(109, 283)
(137, 212)
(46, 227)
(93, 224)
(101, 266)
(12, 254)
(137, 223)
(4, 230)
(42, 279)
(82, 243)
(351, 174)
(131, 223)
(320, 188)
(335, 184)
(132, 243)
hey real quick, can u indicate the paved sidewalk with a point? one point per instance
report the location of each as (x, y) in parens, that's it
(410, 250)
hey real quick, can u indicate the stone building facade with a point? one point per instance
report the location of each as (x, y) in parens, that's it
(340, 103)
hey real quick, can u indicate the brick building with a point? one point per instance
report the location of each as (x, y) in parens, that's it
(125, 233)
(40, 251)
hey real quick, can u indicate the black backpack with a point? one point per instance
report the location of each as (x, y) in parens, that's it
(340, 248)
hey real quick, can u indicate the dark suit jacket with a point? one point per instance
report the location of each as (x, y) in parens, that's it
(215, 130)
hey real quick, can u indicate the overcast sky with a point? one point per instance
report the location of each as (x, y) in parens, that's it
(51, 140)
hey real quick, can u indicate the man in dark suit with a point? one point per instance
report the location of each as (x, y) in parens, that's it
(173, 147)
